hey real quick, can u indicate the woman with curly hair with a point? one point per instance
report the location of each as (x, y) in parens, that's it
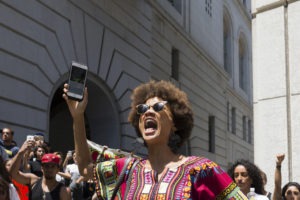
(162, 116)
(247, 175)
(291, 191)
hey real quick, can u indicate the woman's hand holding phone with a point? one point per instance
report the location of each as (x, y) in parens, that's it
(77, 80)
(77, 108)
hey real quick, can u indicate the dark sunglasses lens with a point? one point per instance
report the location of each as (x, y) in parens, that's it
(142, 108)
(158, 106)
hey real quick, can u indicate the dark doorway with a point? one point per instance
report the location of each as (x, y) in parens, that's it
(101, 117)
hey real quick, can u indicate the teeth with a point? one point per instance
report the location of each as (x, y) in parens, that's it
(150, 123)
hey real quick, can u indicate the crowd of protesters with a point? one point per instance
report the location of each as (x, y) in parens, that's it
(35, 171)
(23, 170)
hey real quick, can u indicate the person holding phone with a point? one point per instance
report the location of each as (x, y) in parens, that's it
(162, 116)
(45, 187)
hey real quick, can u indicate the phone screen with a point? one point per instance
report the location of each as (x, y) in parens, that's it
(77, 81)
(77, 75)
(30, 137)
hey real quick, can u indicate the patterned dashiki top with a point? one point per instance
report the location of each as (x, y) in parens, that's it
(196, 178)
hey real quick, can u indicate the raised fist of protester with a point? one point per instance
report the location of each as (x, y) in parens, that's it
(280, 158)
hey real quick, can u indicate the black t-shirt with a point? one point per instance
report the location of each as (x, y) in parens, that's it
(36, 167)
(37, 192)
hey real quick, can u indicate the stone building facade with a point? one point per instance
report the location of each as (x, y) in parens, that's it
(204, 47)
(276, 86)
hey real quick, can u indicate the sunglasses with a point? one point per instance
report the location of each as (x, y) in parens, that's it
(142, 108)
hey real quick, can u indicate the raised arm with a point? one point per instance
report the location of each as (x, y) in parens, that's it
(277, 179)
(66, 161)
(25, 163)
(77, 110)
(14, 164)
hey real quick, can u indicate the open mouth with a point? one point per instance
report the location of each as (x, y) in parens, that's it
(150, 125)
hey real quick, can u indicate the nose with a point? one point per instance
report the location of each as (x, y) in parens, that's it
(150, 111)
(239, 179)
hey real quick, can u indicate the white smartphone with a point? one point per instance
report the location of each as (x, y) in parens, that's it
(30, 137)
(77, 80)
(69, 153)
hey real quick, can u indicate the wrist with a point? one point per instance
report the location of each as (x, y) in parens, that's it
(278, 166)
(78, 117)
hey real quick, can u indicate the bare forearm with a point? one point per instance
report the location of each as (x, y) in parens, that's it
(65, 175)
(277, 188)
(13, 168)
(14, 164)
(65, 163)
(81, 146)
(26, 165)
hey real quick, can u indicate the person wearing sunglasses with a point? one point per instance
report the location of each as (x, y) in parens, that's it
(162, 116)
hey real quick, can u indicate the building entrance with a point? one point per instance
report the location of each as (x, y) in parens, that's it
(101, 117)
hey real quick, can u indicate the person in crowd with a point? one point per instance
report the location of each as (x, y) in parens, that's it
(291, 190)
(7, 188)
(246, 175)
(76, 181)
(161, 114)
(79, 187)
(264, 178)
(35, 164)
(8, 143)
(39, 139)
(45, 187)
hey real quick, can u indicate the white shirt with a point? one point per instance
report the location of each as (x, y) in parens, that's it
(72, 169)
(13, 192)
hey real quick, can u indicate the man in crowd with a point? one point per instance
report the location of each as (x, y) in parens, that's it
(8, 143)
(45, 187)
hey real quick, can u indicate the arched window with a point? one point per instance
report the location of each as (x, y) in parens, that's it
(243, 70)
(227, 43)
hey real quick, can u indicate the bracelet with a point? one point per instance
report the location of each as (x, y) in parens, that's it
(278, 166)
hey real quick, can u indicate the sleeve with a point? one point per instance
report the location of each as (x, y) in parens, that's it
(105, 176)
(211, 182)
(14, 150)
(3, 154)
